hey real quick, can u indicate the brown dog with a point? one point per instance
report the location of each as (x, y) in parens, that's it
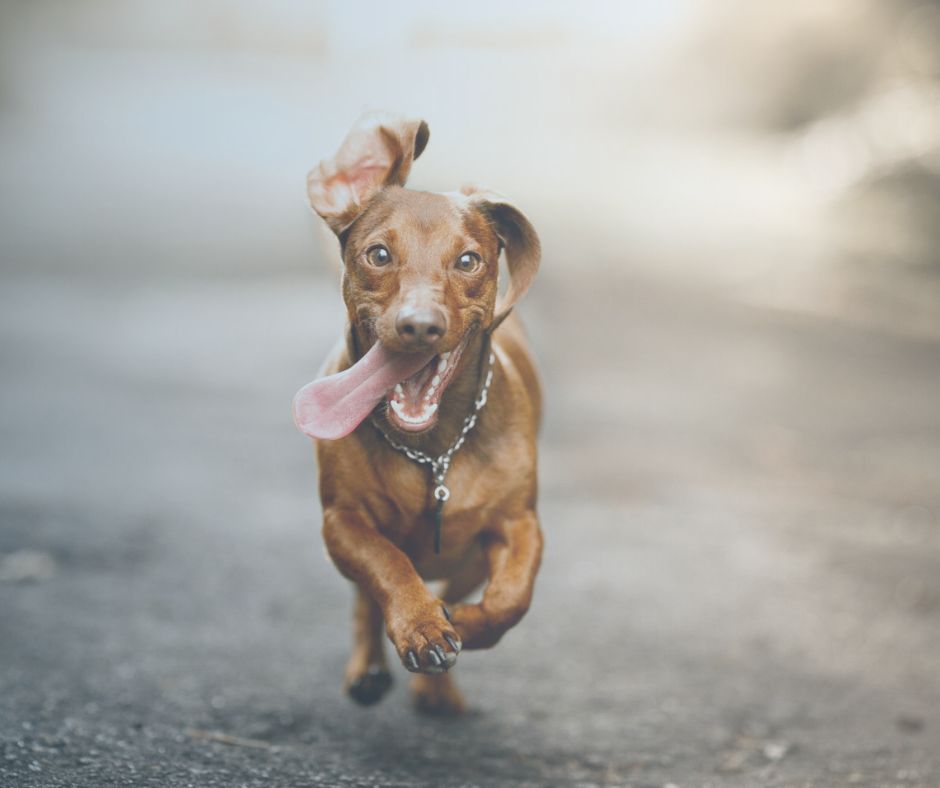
(427, 420)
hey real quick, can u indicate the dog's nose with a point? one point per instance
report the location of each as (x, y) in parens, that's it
(421, 325)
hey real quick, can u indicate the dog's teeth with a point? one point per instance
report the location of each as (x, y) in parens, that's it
(421, 418)
(442, 364)
(492, 358)
(436, 381)
(399, 390)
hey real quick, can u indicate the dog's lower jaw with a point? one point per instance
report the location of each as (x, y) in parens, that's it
(398, 416)
(413, 407)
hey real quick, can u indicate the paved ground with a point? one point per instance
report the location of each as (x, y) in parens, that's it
(741, 585)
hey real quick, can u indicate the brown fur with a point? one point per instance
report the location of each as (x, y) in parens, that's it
(377, 504)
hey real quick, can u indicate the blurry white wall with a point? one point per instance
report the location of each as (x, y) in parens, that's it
(786, 153)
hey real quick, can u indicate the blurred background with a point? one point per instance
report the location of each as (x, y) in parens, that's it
(738, 322)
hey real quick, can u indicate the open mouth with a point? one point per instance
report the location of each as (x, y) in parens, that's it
(413, 403)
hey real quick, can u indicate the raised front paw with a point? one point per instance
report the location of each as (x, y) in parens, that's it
(426, 641)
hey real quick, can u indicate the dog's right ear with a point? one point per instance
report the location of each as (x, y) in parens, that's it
(517, 238)
(378, 152)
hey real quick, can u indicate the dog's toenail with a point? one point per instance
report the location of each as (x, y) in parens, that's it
(446, 613)
(412, 661)
(442, 655)
(454, 644)
(432, 655)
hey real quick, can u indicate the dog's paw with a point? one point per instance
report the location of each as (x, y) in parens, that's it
(427, 643)
(368, 688)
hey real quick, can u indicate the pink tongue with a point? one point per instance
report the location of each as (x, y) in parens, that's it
(332, 407)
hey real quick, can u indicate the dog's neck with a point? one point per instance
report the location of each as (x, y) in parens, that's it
(456, 404)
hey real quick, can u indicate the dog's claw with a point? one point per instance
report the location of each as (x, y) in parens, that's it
(447, 614)
(428, 644)
(456, 645)
(443, 657)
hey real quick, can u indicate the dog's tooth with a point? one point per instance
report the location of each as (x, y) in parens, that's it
(492, 358)
(430, 409)
(399, 390)
(436, 381)
(442, 364)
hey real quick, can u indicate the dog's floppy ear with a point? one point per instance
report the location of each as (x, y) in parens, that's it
(519, 240)
(378, 152)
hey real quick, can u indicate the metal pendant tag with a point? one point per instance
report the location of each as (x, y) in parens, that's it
(441, 494)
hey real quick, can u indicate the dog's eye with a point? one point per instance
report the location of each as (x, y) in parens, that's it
(468, 262)
(378, 255)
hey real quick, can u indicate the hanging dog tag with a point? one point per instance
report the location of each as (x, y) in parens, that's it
(441, 494)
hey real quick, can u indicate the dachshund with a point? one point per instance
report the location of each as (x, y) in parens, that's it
(426, 414)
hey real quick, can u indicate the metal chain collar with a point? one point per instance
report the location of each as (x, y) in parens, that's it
(441, 464)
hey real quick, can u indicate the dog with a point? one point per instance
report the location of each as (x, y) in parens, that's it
(426, 415)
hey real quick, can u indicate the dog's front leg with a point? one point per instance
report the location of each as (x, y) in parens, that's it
(513, 553)
(415, 619)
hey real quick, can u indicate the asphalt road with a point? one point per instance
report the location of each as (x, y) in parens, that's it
(741, 584)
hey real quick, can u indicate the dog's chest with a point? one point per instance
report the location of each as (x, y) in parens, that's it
(476, 487)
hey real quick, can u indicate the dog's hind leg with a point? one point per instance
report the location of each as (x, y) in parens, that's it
(367, 676)
(438, 694)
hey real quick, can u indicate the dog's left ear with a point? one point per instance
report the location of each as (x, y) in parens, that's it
(519, 240)
(378, 152)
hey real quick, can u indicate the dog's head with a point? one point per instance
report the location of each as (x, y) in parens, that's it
(420, 269)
